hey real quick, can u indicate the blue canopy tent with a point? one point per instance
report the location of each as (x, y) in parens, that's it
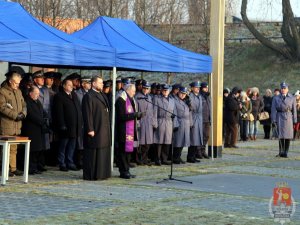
(26, 40)
(139, 50)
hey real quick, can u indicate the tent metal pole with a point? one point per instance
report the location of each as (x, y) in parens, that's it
(113, 117)
(211, 118)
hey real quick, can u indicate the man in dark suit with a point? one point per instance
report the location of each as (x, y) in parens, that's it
(97, 133)
(68, 123)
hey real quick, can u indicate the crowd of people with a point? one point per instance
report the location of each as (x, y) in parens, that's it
(279, 113)
(69, 122)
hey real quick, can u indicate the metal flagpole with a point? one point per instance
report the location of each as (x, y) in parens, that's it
(113, 117)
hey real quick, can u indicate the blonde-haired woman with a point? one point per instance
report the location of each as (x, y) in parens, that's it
(245, 116)
(257, 107)
(267, 108)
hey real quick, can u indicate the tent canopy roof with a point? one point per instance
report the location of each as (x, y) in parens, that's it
(24, 39)
(137, 49)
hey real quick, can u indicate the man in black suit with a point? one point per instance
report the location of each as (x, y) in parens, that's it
(68, 123)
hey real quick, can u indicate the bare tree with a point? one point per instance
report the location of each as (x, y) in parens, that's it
(289, 30)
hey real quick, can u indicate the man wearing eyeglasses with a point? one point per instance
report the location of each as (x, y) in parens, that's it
(12, 112)
(283, 116)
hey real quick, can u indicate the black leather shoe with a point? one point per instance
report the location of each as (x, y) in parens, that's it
(176, 161)
(158, 163)
(132, 176)
(205, 155)
(63, 168)
(190, 160)
(42, 169)
(73, 168)
(132, 165)
(18, 173)
(197, 160)
(11, 174)
(227, 146)
(125, 175)
(166, 163)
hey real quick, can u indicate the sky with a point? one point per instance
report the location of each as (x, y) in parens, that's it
(267, 10)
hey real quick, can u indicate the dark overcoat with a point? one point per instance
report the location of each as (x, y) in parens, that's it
(122, 118)
(146, 123)
(257, 107)
(67, 112)
(284, 113)
(95, 111)
(231, 110)
(33, 123)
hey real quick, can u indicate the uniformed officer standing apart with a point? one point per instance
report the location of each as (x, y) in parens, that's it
(146, 124)
(283, 116)
(197, 122)
(164, 125)
(206, 110)
(182, 135)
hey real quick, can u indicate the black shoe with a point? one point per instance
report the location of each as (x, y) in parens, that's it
(279, 155)
(166, 163)
(158, 163)
(199, 156)
(42, 169)
(73, 168)
(234, 146)
(18, 173)
(197, 160)
(132, 165)
(132, 175)
(176, 161)
(190, 160)
(227, 146)
(63, 168)
(32, 172)
(125, 175)
(11, 174)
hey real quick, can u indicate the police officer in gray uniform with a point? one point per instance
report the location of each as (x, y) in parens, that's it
(283, 116)
(163, 123)
(197, 122)
(146, 123)
(182, 135)
(206, 110)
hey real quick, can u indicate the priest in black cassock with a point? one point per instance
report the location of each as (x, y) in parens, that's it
(97, 133)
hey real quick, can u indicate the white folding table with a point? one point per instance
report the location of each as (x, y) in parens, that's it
(5, 158)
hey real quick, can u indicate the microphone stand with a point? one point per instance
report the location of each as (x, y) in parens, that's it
(170, 177)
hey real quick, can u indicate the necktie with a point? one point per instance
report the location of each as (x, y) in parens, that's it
(283, 97)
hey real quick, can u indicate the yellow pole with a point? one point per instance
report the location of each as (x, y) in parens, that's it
(217, 53)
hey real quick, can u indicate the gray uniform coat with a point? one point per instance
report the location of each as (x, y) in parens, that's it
(44, 98)
(184, 117)
(197, 121)
(146, 123)
(284, 113)
(163, 120)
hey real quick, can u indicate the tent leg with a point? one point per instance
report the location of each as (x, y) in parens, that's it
(113, 117)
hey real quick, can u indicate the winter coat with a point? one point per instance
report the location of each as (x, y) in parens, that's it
(95, 111)
(284, 114)
(11, 104)
(67, 113)
(257, 106)
(163, 121)
(231, 110)
(184, 117)
(34, 123)
(197, 120)
(146, 123)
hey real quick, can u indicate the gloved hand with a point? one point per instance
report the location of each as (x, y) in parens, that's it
(154, 129)
(139, 115)
(191, 127)
(175, 129)
(20, 116)
(63, 128)
(274, 124)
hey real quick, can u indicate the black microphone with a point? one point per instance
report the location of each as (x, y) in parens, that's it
(139, 98)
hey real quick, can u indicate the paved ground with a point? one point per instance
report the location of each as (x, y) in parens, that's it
(233, 190)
